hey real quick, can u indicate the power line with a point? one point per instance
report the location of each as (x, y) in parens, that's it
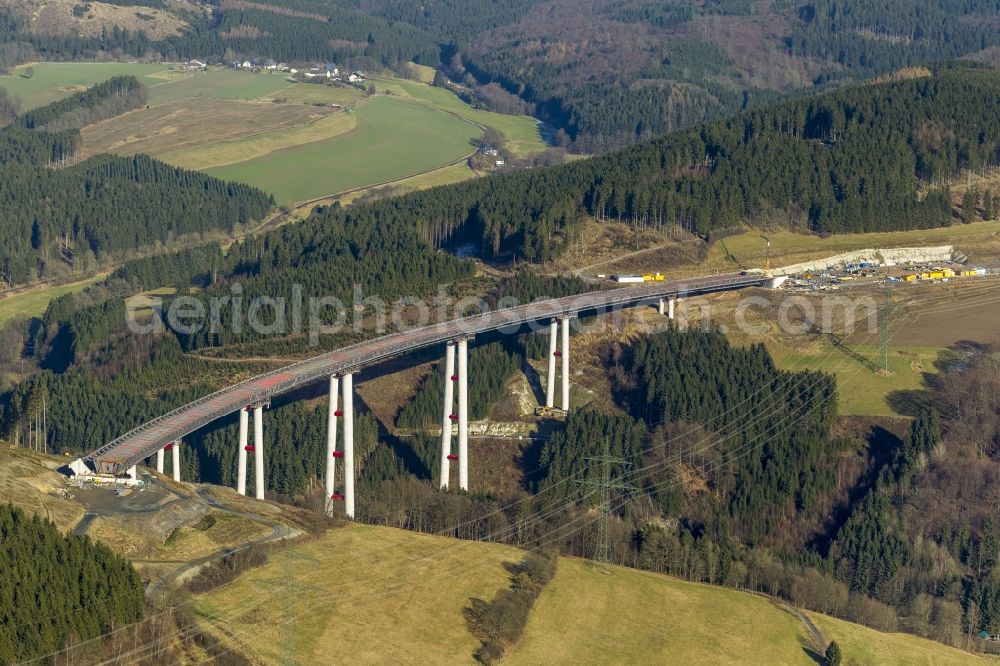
(602, 551)
(885, 312)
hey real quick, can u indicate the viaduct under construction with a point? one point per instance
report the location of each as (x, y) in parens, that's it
(120, 456)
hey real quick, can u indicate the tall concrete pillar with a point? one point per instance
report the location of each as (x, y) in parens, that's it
(133, 472)
(348, 391)
(565, 364)
(550, 391)
(671, 303)
(661, 306)
(176, 450)
(258, 451)
(463, 414)
(447, 413)
(160, 455)
(331, 444)
(241, 456)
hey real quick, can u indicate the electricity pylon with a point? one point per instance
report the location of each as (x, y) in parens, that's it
(606, 484)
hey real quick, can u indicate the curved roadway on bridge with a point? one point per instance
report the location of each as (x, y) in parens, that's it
(144, 441)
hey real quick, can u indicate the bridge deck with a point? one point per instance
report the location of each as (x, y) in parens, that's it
(142, 442)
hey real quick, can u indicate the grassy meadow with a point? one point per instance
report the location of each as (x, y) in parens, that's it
(53, 81)
(34, 302)
(297, 141)
(392, 140)
(521, 132)
(373, 595)
(360, 595)
(862, 392)
(861, 645)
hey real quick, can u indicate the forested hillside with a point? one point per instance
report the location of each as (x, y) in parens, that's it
(848, 161)
(605, 72)
(57, 589)
(292, 30)
(615, 71)
(61, 216)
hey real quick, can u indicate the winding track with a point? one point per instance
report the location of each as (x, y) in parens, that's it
(142, 442)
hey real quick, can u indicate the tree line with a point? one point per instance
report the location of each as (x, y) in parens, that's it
(103, 100)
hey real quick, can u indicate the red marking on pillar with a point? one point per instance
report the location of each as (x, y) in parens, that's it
(452, 456)
(248, 447)
(453, 417)
(338, 413)
(336, 496)
(338, 454)
(454, 378)
(557, 353)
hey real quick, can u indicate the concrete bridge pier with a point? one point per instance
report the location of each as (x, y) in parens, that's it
(176, 451)
(550, 389)
(258, 450)
(666, 306)
(347, 388)
(331, 444)
(160, 455)
(448, 414)
(463, 413)
(241, 455)
(565, 364)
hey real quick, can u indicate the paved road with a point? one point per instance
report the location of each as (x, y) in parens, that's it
(277, 533)
(144, 441)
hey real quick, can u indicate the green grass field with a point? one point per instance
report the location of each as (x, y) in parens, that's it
(53, 81)
(393, 139)
(521, 132)
(248, 148)
(224, 122)
(377, 595)
(33, 303)
(586, 616)
(219, 84)
(861, 391)
(360, 595)
(861, 645)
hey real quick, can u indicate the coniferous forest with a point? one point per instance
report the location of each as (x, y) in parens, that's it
(62, 213)
(846, 162)
(56, 588)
